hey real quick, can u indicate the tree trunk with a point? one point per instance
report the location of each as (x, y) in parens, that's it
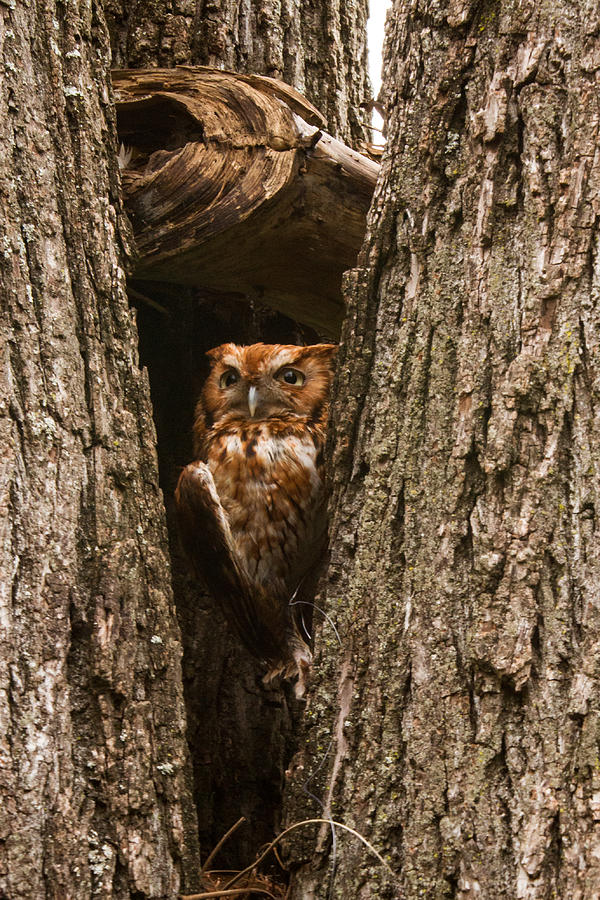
(463, 704)
(320, 47)
(95, 798)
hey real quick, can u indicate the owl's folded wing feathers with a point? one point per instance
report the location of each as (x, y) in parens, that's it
(263, 623)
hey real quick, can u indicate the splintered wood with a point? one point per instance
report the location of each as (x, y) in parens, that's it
(232, 185)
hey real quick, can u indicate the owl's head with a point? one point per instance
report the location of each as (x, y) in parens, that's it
(262, 381)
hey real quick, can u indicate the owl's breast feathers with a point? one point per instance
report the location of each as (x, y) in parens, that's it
(268, 475)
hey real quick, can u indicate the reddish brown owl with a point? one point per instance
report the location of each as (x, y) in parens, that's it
(252, 509)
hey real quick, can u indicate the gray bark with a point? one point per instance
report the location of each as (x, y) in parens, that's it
(464, 702)
(95, 798)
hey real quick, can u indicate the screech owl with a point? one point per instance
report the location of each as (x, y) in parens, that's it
(252, 507)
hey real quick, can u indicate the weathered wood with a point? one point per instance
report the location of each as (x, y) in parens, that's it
(318, 46)
(233, 186)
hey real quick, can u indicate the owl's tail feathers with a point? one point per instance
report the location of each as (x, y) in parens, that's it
(208, 543)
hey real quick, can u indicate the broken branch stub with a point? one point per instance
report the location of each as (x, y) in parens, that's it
(231, 185)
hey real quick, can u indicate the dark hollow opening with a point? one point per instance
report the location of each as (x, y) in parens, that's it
(240, 732)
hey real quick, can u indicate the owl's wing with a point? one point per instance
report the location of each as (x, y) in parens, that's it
(306, 566)
(262, 622)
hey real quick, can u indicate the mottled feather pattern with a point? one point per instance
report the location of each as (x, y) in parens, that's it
(259, 431)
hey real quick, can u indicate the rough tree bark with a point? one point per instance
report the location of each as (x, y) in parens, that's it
(94, 789)
(320, 47)
(464, 705)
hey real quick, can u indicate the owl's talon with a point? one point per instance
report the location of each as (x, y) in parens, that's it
(304, 666)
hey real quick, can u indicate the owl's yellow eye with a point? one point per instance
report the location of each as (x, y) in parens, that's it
(291, 376)
(228, 378)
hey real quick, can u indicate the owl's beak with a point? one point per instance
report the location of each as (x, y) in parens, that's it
(252, 400)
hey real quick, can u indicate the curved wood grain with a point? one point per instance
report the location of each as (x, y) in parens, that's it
(232, 185)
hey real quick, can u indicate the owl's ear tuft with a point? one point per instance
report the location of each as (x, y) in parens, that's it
(321, 351)
(217, 353)
(328, 350)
